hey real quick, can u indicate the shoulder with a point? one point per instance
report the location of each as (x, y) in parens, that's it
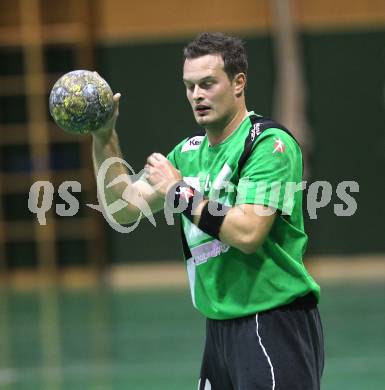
(274, 150)
(276, 156)
(267, 130)
(186, 145)
(275, 140)
(192, 143)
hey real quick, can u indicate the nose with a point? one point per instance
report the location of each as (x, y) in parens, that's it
(197, 93)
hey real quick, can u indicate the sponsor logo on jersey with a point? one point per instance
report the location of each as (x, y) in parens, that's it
(208, 251)
(279, 146)
(192, 143)
(255, 131)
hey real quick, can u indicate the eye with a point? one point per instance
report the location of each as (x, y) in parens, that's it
(189, 87)
(206, 84)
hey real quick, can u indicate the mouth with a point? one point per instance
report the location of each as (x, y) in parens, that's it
(202, 109)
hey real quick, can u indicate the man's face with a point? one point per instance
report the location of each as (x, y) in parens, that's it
(210, 92)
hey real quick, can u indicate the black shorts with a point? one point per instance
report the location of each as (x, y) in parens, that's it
(279, 349)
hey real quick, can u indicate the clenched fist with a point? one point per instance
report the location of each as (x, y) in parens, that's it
(160, 173)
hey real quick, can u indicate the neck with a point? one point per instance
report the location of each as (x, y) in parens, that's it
(217, 135)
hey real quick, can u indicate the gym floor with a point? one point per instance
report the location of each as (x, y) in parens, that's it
(108, 338)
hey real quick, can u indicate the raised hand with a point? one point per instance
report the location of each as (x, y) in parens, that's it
(106, 130)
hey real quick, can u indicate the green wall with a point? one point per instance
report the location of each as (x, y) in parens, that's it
(345, 73)
(346, 80)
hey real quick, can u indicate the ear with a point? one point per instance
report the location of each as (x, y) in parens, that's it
(239, 83)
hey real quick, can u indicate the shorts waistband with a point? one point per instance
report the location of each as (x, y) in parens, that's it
(308, 301)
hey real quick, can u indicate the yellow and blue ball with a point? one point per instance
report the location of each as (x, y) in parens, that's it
(81, 101)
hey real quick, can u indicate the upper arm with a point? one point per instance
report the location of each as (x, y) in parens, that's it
(261, 191)
(247, 225)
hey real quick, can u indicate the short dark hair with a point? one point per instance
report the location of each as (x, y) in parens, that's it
(230, 48)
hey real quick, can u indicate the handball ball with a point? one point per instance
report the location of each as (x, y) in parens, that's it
(81, 101)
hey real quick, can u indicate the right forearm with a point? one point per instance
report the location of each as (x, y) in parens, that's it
(103, 148)
(132, 200)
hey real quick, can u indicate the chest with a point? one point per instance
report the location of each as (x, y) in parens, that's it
(213, 171)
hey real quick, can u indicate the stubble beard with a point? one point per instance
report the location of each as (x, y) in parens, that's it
(209, 122)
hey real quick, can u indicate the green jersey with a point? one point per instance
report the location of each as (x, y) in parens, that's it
(225, 282)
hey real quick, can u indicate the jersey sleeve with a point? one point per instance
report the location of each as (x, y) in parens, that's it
(173, 156)
(273, 169)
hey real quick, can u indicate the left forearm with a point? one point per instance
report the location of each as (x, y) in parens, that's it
(242, 227)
